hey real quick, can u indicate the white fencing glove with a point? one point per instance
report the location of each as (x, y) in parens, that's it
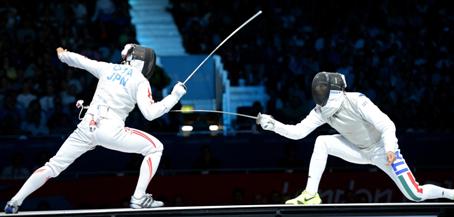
(172, 99)
(266, 121)
(179, 90)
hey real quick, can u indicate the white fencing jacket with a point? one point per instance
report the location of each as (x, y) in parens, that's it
(358, 119)
(119, 88)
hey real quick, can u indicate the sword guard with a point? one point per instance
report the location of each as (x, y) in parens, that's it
(259, 116)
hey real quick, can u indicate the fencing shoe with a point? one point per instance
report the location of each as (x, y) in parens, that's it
(305, 198)
(146, 201)
(11, 207)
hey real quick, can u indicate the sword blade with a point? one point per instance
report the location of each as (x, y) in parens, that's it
(215, 111)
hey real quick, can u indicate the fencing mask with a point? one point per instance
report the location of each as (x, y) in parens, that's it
(140, 57)
(323, 83)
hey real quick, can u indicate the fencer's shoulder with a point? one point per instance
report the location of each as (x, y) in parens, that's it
(360, 99)
(119, 66)
(356, 95)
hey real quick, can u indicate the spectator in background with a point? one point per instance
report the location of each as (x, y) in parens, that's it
(35, 123)
(47, 101)
(68, 96)
(103, 11)
(25, 98)
(80, 13)
(10, 118)
(61, 121)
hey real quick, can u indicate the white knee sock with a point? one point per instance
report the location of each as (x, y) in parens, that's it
(316, 167)
(434, 192)
(148, 169)
(35, 181)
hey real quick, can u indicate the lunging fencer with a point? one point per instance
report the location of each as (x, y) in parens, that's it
(366, 136)
(119, 88)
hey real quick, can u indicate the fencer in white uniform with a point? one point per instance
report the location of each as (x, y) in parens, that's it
(366, 136)
(119, 88)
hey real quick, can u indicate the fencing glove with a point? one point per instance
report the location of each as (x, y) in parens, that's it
(266, 121)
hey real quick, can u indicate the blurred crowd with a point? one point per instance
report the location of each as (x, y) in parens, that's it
(37, 92)
(395, 52)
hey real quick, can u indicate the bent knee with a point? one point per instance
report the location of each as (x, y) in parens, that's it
(49, 169)
(153, 146)
(149, 151)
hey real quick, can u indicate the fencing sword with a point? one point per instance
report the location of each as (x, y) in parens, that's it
(212, 52)
(80, 105)
(217, 112)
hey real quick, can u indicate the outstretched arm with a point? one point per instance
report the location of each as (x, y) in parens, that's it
(81, 62)
(152, 110)
(298, 131)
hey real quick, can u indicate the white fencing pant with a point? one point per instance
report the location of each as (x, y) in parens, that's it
(399, 171)
(111, 134)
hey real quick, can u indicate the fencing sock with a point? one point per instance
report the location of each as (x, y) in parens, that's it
(148, 169)
(316, 167)
(35, 181)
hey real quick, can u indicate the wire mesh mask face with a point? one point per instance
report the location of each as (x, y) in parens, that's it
(323, 83)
